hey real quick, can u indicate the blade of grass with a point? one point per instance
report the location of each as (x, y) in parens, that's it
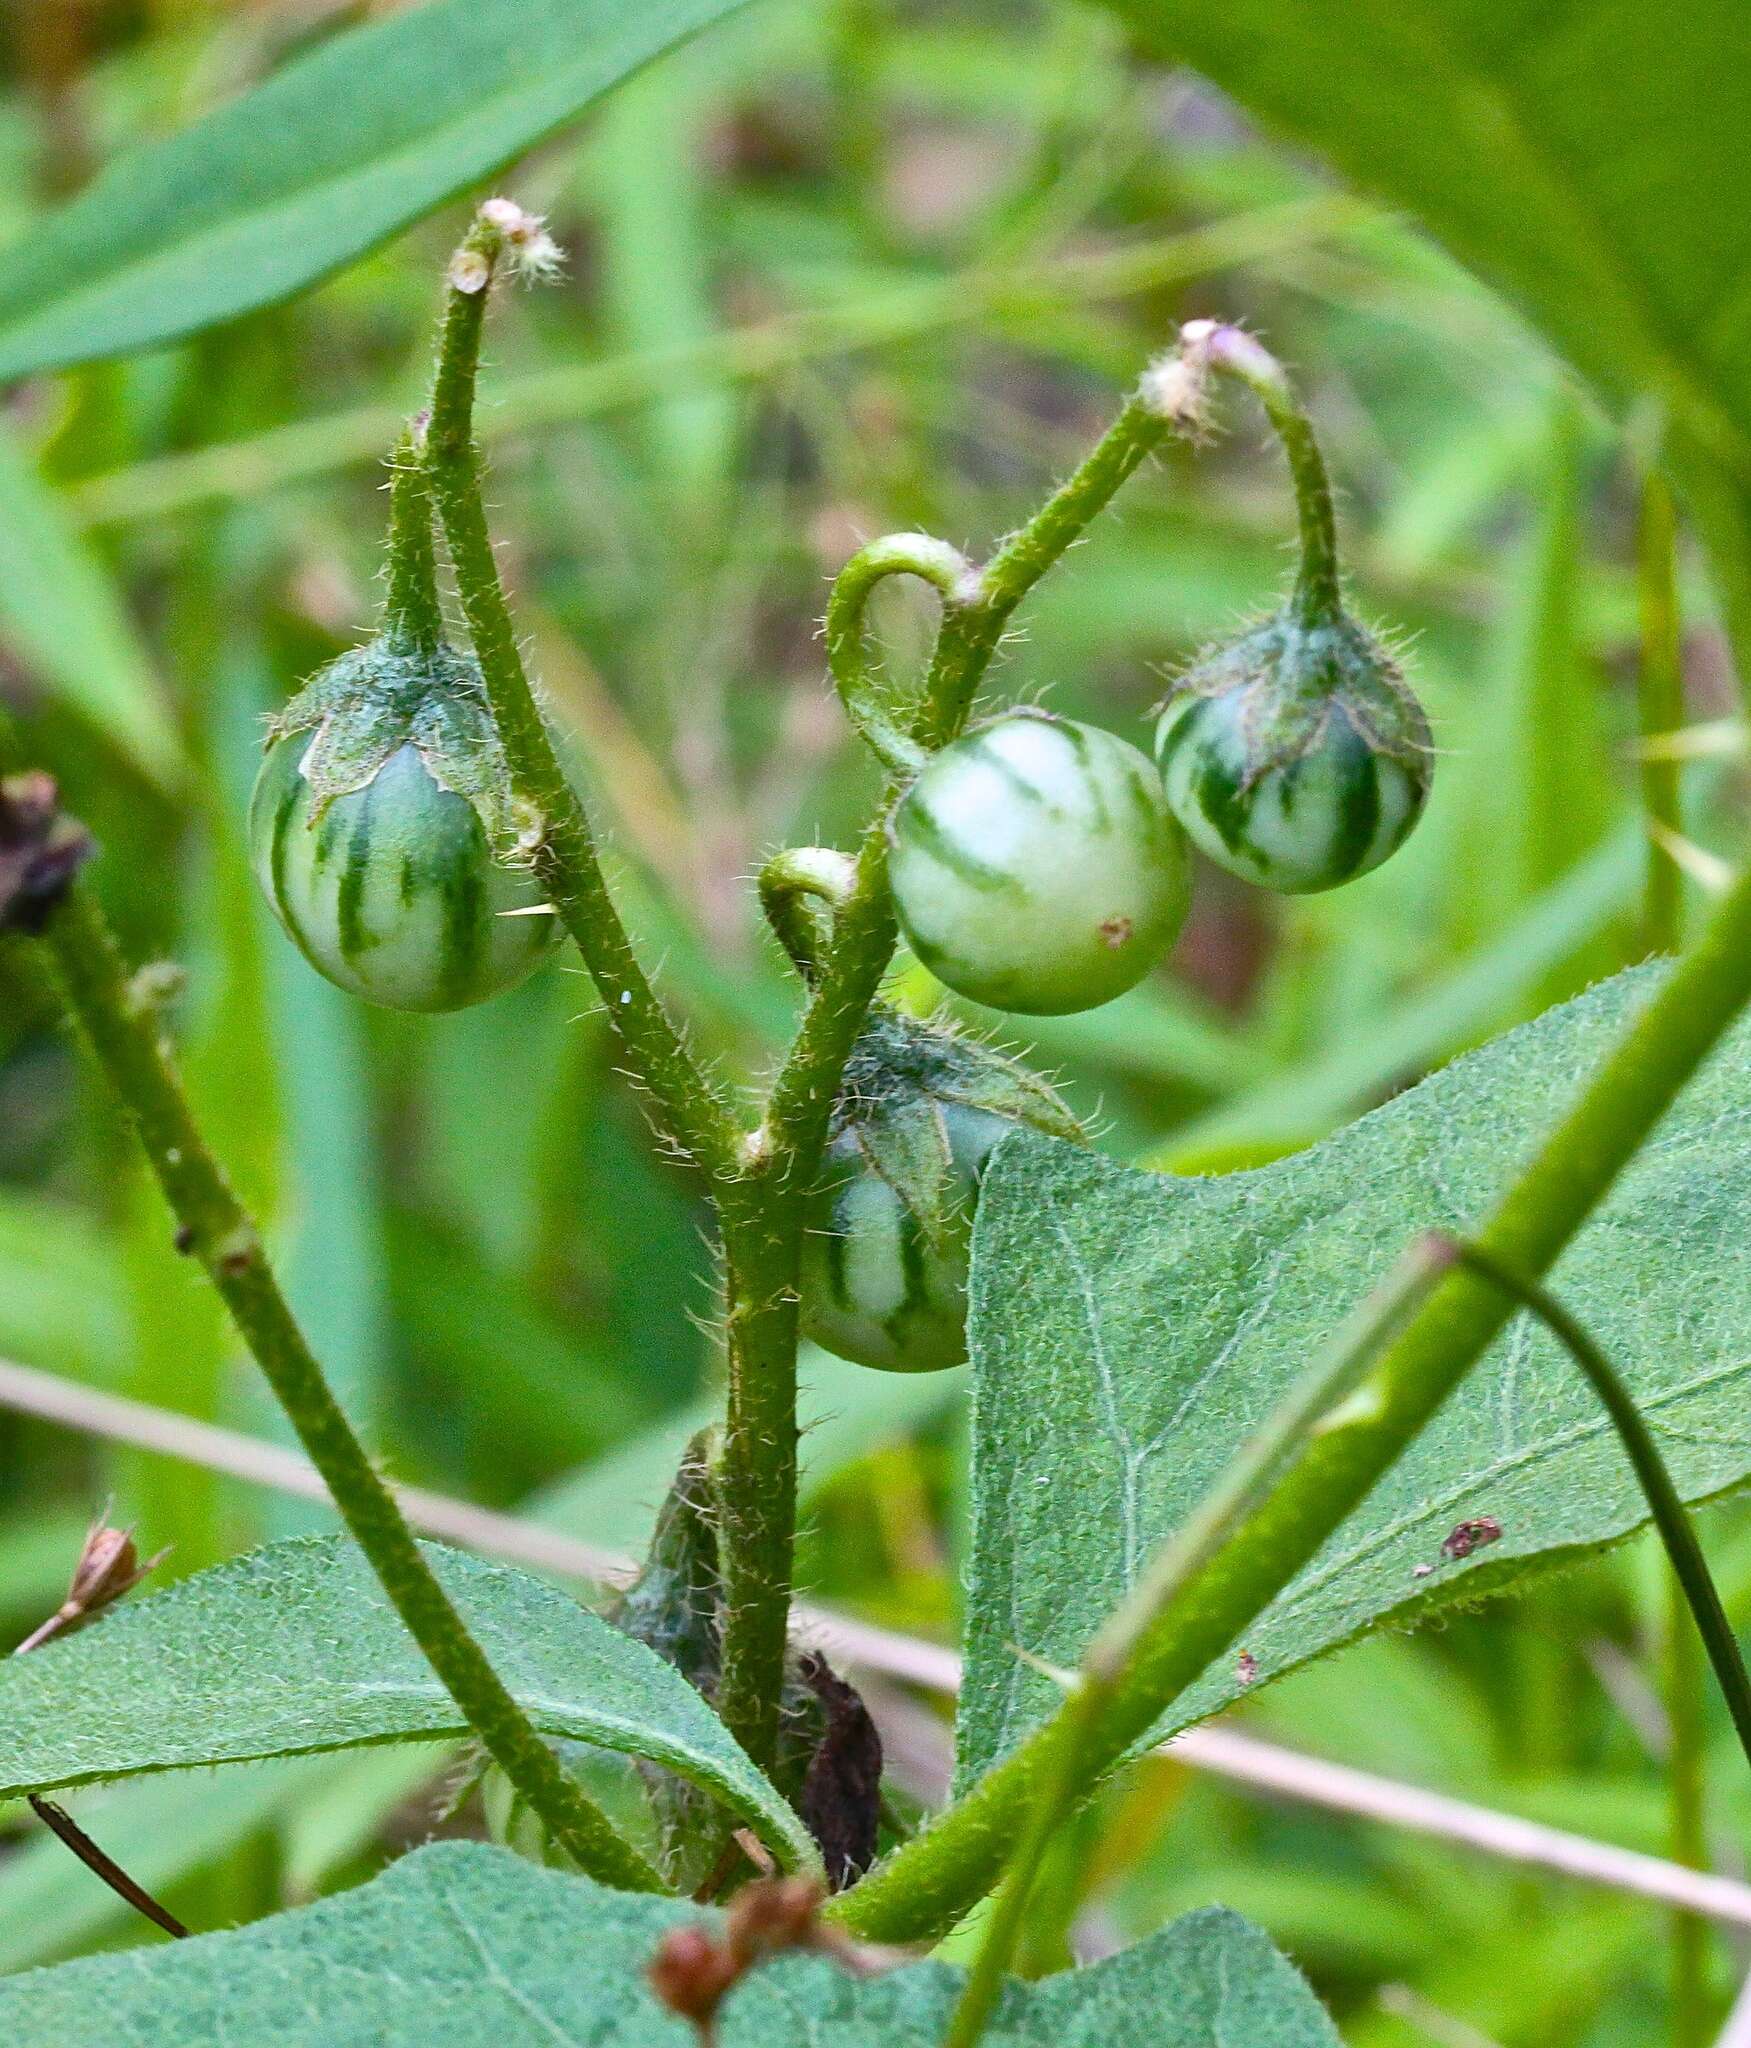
(1660, 702)
(241, 469)
(61, 615)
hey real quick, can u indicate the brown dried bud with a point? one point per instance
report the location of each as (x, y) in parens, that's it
(693, 1969)
(109, 1567)
(40, 851)
(690, 1973)
(771, 1915)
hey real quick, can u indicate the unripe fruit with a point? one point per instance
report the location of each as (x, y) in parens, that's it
(890, 1225)
(879, 1286)
(1036, 867)
(1296, 757)
(379, 829)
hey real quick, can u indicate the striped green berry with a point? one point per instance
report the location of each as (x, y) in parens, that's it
(378, 831)
(1036, 867)
(878, 1286)
(1296, 757)
(890, 1224)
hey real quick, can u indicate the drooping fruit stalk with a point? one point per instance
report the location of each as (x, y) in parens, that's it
(1296, 755)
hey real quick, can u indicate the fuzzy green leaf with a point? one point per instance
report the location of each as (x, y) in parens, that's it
(311, 169)
(1130, 1329)
(459, 1944)
(295, 1649)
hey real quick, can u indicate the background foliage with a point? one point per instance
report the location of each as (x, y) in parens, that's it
(837, 269)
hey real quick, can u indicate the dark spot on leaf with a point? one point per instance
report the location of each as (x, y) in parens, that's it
(1476, 1534)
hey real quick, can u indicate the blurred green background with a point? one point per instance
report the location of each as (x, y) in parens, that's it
(838, 268)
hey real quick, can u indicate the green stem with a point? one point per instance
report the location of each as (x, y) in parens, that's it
(977, 609)
(1665, 1504)
(411, 606)
(1687, 1795)
(123, 1033)
(1060, 1780)
(800, 889)
(762, 1217)
(1692, 1586)
(947, 571)
(688, 1107)
(973, 630)
(930, 1882)
(1237, 354)
(1660, 700)
(756, 1470)
(120, 1025)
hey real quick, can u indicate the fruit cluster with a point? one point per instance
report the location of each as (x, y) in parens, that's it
(1036, 864)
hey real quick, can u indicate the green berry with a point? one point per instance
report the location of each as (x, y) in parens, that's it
(380, 829)
(890, 1224)
(1296, 757)
(1036, 867)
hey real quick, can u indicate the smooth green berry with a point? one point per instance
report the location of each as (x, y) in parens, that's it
(1296, 757)
(1036, 867)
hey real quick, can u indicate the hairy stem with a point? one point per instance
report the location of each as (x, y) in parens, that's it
(947, 571)
(687, 1106)
(756, 1467)
(762, 1217)
(1236, 354)
(977, 608)
(411, 608)
(123, 1033)
(934, 1879)
(973, 629)
(800, 889)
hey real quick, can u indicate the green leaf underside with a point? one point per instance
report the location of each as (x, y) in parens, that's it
(295, 1649)
(1616, 209)
(459, 1944)
(1129, 1329)
(311, 169)
(1600, 126)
